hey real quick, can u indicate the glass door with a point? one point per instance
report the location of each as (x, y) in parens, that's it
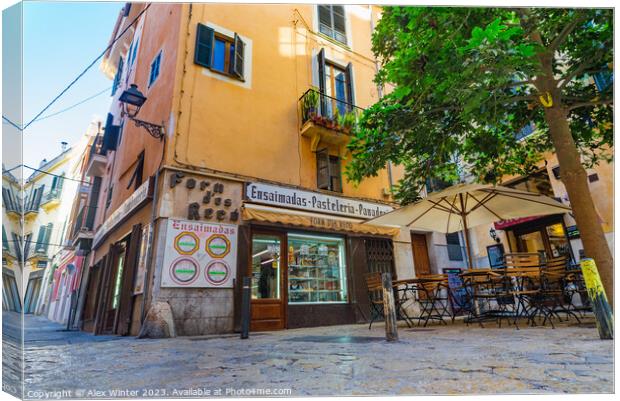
(531, 242)
(267, 269)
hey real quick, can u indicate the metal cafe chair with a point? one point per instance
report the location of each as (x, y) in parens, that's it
(375, 296)
(555, 290)
(480, 285)
(576, 289)
(437, 298)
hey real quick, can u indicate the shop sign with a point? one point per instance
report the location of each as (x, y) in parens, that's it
(313, 201)
(195, 197)
(137, 199)
(504, 224)
(199, 255)
(145, 250)
(41, 264)
(573, 232)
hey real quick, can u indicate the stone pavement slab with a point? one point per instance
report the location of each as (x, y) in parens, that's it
(337, 360)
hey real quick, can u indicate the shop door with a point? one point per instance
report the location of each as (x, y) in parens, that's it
(267, 268)
(550, 239)
(532, 242)
(32, 295)
(92, 294)
(421, 261)
(114, 290)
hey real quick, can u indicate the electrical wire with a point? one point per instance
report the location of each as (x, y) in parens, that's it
(11, 123)
(75, 105)
(56, 175)
(88, 67)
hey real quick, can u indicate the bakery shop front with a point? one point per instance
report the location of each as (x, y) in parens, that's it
(307, 254)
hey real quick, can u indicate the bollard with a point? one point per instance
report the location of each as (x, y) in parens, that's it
(389, 308)
(246, 288)
(598, 299)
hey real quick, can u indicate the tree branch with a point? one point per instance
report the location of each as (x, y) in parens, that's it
(581, 68)
(566, 31)
(590, 103)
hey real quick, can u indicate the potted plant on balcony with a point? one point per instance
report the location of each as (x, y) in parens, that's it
(309, 104)
(347, 121)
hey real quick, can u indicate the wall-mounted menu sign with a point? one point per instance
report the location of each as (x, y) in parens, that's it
(199, 255)
(313, 201)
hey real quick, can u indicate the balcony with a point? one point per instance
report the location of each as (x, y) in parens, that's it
(325, 119)
(82, 234)
(50, 199)
(97, 159)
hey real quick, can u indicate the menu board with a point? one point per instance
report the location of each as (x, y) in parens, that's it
(199, 255)
(458, 300)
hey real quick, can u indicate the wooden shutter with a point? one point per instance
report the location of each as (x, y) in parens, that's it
(322, 169)
(27, 246)
(237, 62)
(5, 241)
(204, 46)
(102, 291)
(39, 246)
(335, 179)
(35, 200)
(129, 271)
(322, 87)
(48, 236)
(350, 86)
(17, 245)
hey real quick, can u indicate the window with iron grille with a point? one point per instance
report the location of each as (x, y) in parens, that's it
(332, 22)
(454, 246)
(328, 171)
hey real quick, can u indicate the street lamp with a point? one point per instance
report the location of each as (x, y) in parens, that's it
(132, 100)
(493, 234)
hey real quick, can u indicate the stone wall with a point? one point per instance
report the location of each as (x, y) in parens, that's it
(199, 311)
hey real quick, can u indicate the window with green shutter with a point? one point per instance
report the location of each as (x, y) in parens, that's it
(204, 46)
(5, 241)
(220, 53)
(39, 246)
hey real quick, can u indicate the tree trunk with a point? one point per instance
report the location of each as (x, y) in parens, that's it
(575, 180)
(574, 176)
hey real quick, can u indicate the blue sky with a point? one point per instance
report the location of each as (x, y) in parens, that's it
(60, 40)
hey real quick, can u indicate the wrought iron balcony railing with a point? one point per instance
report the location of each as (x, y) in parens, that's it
(84, 222)
(328, 112)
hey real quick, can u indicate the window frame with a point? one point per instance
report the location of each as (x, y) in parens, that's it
(452, 244)
(234, 61)
(332, 23)
(158, 57)
(333, 163)
(228, 42)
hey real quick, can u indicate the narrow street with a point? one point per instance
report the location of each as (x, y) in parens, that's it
(344, 360)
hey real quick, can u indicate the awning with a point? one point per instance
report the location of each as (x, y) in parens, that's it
(313, 220)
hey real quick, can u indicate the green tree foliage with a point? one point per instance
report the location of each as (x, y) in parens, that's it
(465, 81)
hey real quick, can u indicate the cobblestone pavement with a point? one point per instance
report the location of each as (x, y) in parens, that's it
(340, 360)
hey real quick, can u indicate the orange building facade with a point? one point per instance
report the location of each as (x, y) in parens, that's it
(255, 105)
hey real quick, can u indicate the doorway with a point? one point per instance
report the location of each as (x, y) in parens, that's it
(114, 289)
(267, 267)
(548, 236)
(421, 261)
